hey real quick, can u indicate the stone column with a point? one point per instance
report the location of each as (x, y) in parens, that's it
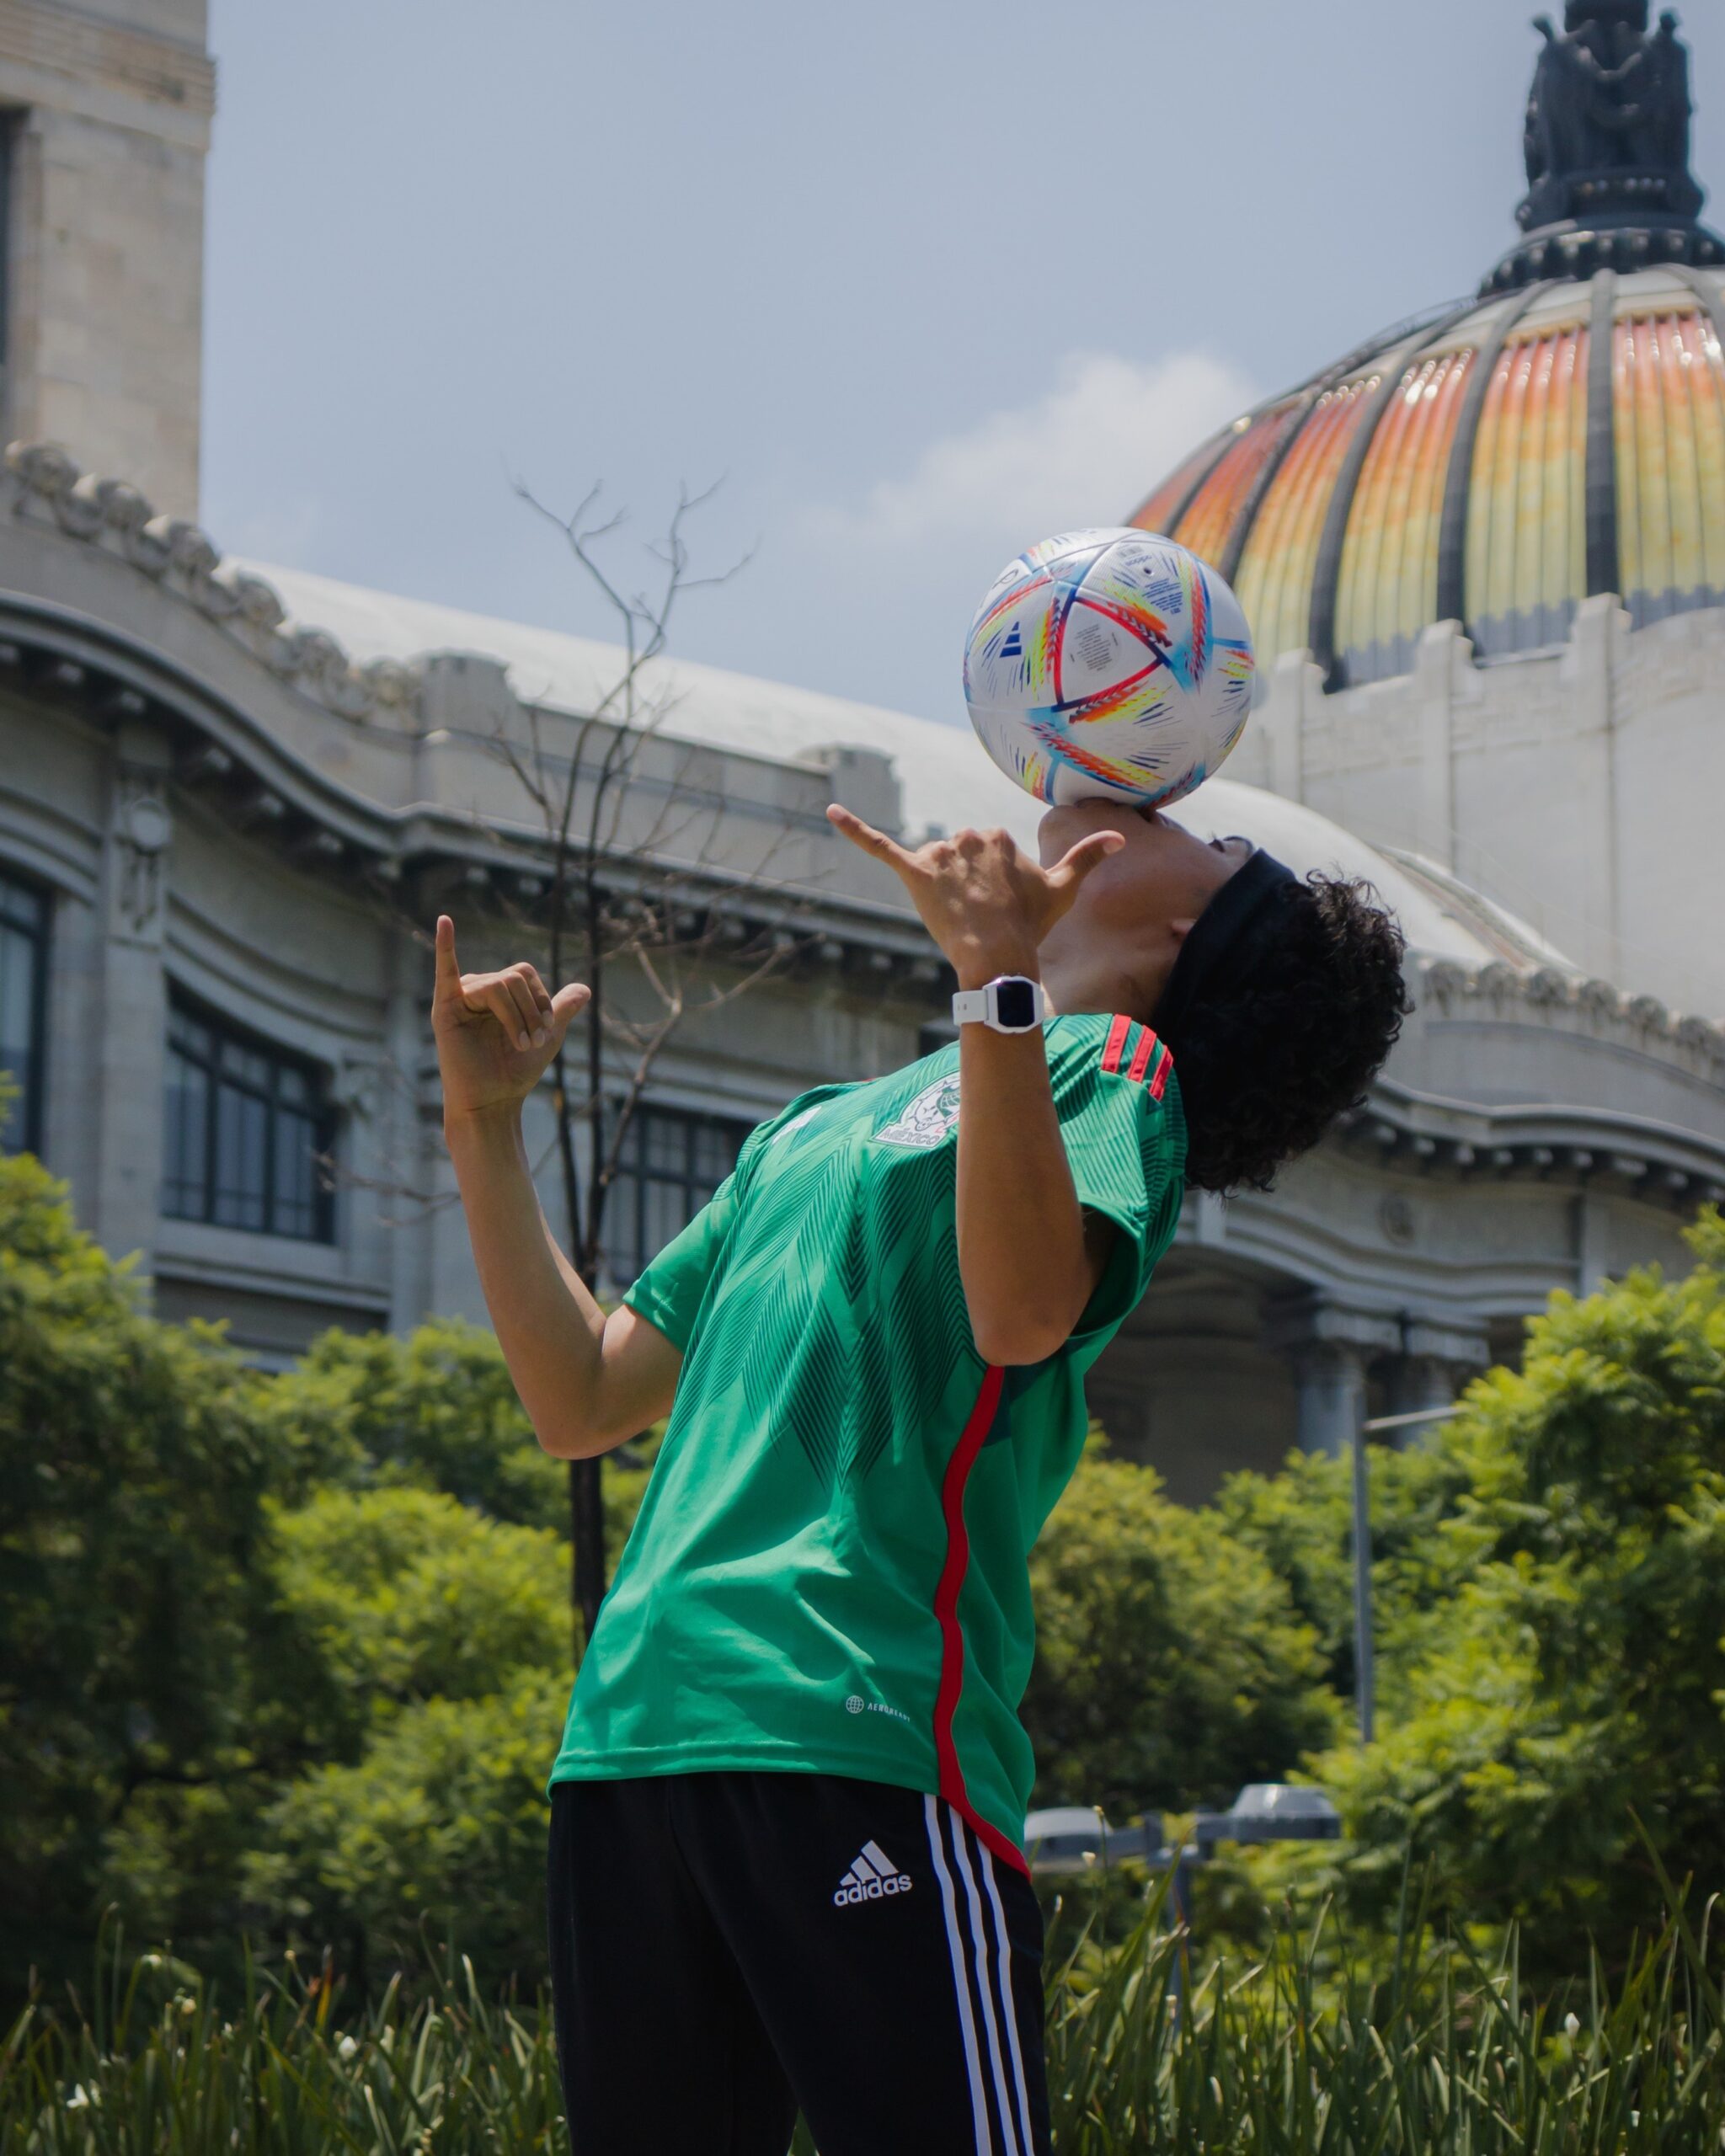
(1437, 1366)
(1331, 1349)
(132, 1021)
(1331, 1380)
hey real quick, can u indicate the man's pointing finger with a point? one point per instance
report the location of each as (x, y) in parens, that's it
(448, 981)
(865, 836)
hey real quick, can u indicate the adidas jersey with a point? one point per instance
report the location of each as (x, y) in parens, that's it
(829, 1573)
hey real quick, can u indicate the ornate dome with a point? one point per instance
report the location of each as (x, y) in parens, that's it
(1500, 461)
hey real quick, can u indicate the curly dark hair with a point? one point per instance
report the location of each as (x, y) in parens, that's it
(1268, 1061)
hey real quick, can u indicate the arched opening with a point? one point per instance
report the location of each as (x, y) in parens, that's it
(1193, 1386)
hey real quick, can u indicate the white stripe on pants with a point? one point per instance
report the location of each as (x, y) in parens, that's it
(992, 1976)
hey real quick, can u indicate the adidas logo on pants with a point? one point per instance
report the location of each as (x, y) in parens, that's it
(871, 1878)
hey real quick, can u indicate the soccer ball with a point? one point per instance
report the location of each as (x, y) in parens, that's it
(1110, 666)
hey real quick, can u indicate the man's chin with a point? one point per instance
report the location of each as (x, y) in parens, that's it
(1051, 843)
(1079, 818)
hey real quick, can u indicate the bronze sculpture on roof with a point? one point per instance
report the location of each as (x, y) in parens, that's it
(1608, 119)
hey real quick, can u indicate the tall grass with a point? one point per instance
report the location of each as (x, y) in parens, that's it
(1441, 2057)
(1437, 2057)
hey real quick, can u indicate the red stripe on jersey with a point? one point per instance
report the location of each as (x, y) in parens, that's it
(953, 1789)
(1164, 1071)
(1147, 1046)
(1116, 1043)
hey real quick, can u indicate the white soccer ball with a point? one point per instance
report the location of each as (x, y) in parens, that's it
(1110, 666)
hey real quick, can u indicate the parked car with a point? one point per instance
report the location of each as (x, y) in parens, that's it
(1075, 1837)
(1270, 1811)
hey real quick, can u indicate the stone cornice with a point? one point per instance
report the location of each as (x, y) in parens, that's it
(43, 484)
(1558, 1142)
(1568, 1002)
(69, 60)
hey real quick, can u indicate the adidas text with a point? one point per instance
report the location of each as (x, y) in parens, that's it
(873, 1877)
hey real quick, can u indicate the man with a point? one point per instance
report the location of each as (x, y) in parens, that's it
(785, 1866)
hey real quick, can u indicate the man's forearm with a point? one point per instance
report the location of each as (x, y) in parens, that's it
(1028, 1274)
(550, 1328)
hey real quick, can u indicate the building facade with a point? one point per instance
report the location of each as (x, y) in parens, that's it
(232, 801)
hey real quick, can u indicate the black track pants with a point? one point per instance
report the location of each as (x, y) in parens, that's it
(727, 1947)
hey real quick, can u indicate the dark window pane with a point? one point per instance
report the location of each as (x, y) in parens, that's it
(186, 1193)
(242, 1159)
(667, 1137)
(668, 1213)
(23, 942)
(188, 1036)
(291, 1088)
(619, 1230)
(715, 1153)
(22, 907)
(17, 998)
(245, 1066)
(296, 1193)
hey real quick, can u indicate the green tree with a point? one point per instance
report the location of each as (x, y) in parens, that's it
(1576, 1682)
(1300, 1522)
(437, 1411)
(405, 1595)
(132, 1529)
(436, 1833)
(1171, 1665)
(403, 1632)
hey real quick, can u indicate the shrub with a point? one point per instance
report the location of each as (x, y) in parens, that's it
(1570, 1694)
(1171, 1666)
(132, 1529)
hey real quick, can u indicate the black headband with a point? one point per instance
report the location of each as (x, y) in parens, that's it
(1222, 935)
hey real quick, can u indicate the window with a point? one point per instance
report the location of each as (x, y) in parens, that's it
(670, 1167)
(24, 989)
(246, 1126)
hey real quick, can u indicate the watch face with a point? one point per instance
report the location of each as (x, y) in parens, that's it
(1015, 1004)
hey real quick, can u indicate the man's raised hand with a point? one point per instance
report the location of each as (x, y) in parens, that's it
(983, 899)
(495, 1033)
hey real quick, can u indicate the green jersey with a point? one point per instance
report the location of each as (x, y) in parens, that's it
(829, 1571)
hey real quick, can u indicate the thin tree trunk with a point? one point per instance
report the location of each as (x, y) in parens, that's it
(576, 888)
(587, 1535)
(586, 1485)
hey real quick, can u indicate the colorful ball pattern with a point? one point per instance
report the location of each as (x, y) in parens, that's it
(1109, 665)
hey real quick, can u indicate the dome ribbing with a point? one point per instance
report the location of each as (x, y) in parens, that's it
(1562, 436)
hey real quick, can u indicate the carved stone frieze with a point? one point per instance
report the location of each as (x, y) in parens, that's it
(42, 482)
(140, 829)
(1595, 1005)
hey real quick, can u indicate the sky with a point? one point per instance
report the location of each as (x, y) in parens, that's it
(911, 284)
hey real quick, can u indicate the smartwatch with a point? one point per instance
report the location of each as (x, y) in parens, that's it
(1010, 1005)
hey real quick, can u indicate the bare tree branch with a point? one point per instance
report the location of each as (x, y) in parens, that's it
(622, 908)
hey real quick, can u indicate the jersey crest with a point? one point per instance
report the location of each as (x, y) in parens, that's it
(929, 1121)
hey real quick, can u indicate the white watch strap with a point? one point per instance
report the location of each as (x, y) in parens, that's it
(980, 1006)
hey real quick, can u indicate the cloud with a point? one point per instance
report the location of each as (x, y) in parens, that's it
(1086, 453)
(912, 557)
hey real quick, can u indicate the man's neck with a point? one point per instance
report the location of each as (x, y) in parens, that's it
(1104, 995)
